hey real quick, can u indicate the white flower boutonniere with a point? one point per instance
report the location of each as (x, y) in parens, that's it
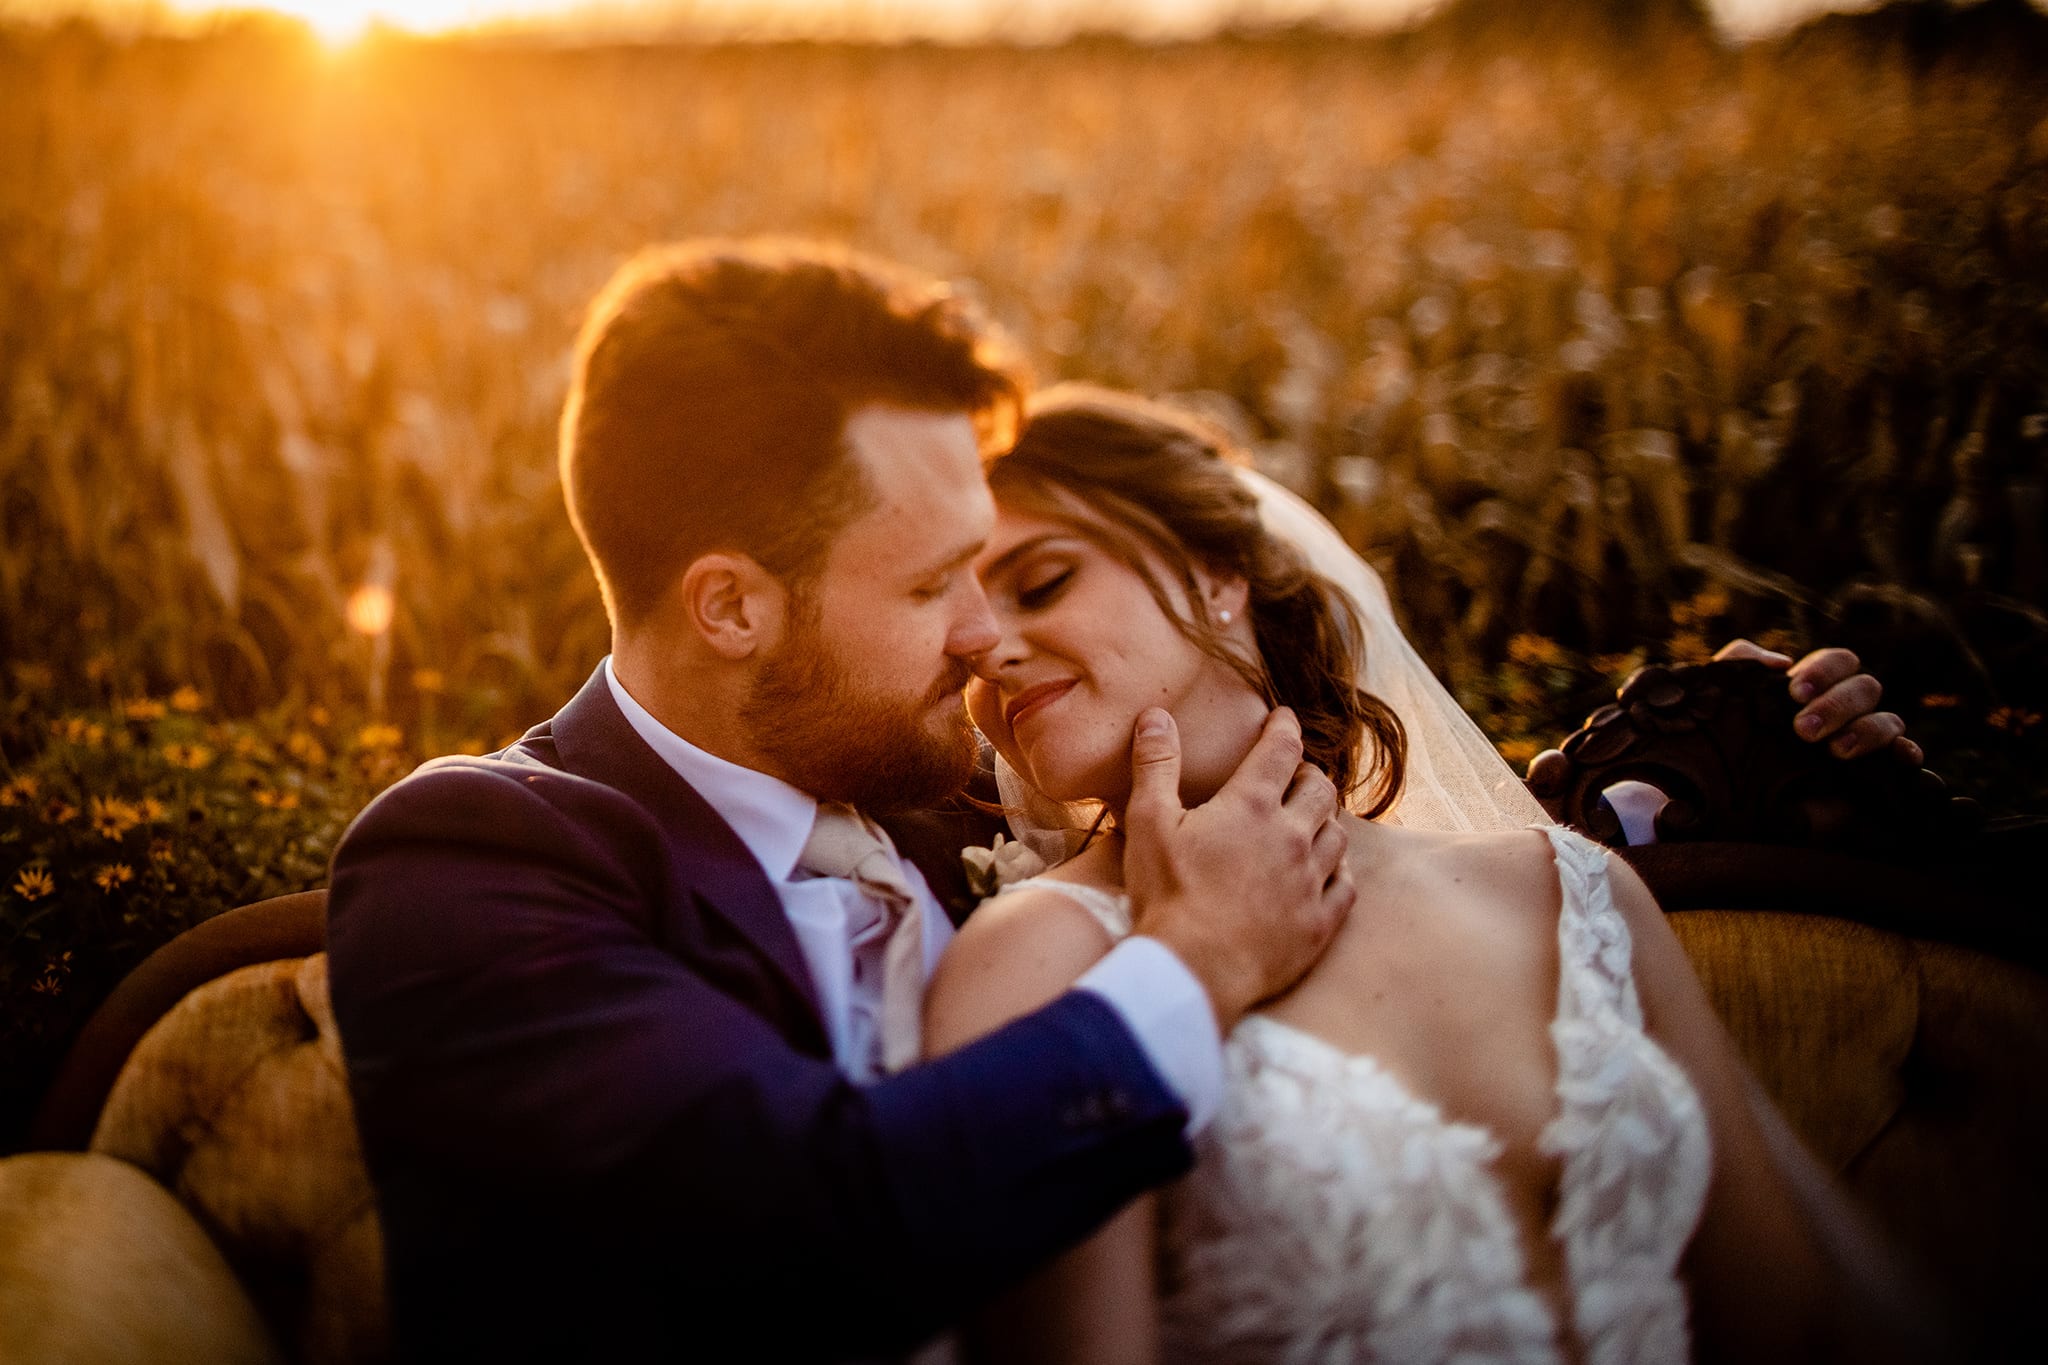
(991, 869)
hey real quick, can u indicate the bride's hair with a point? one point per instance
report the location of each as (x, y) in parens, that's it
(1136, 477)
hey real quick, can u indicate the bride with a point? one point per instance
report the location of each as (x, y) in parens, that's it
(1498, 1121)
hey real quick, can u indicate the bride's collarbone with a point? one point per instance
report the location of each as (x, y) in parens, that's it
(1446, 975)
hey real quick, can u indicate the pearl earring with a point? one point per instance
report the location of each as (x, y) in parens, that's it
(1224, 616)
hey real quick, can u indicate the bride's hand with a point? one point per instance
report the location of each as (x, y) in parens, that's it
(1839, 701)
(1249, 887)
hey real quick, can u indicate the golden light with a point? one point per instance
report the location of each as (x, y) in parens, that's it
(369, 609)
(339, 22)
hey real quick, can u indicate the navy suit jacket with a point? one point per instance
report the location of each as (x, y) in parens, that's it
(600, 1111)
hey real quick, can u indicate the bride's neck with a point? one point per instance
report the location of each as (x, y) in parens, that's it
(1214, 739)
(1215, 736)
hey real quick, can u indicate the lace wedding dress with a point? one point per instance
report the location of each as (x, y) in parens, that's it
(1334, 1217)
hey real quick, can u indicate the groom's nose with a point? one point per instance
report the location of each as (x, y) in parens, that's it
(975, 631)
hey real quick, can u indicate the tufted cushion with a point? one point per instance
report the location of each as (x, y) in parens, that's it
(1824, 1011)
(237, 1100)
(1914, 1069)
(99, 1265)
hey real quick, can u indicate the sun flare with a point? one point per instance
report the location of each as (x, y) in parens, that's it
(339, 22)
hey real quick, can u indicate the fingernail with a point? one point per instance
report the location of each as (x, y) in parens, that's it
(1803, 689)
(1809, 726)
(1154, 721)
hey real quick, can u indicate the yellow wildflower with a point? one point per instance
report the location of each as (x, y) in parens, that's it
(59, 811)
(113, 817)
(428, 680)
(1702, 607)
(1618, 665)
(1688, 647)
(152, 810)
(19, 792)
(1940, 701)
(187, 699)
(271, 800)
(51, 982)
(1535, 651)
(2016, 719)
(146, 709)
(33, 677)
(34, 883)
(160, 851)
(1519, 751)
(317, 715)
(191, 756)
(380, 737)
(111, 876)
(95, 735)
(99, 666)
(305, 748)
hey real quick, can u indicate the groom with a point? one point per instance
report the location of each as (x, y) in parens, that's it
(630, 1008)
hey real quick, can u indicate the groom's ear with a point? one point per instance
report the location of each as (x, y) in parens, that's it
(733, 604)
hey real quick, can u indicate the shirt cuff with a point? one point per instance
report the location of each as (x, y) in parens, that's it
(1169, 1014)
(1635, 805)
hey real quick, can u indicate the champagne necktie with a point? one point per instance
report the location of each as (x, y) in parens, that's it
(846, 845)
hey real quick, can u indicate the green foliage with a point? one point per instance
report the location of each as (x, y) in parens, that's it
(125, 823)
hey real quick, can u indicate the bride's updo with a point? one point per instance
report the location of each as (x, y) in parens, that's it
(1145, 480)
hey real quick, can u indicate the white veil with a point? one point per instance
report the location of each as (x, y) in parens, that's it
(1455, 780)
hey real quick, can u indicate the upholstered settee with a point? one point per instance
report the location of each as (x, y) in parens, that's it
(200, 1194)
(220, 1211)
(226, 1136)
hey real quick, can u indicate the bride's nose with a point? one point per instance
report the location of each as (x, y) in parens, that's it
(1008, 649)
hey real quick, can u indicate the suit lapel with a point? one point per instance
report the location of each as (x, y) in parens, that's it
(594, 740)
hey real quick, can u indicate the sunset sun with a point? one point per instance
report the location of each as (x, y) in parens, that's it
(342, 21)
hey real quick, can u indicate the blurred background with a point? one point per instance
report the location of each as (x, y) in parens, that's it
(1608, 329)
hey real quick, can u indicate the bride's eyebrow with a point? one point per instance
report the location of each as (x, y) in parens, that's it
(1018, 551)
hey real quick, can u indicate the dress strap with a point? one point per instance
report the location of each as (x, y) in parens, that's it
(1111, 909)
(1595, 970)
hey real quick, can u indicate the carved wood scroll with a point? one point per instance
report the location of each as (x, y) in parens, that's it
(1717, 739)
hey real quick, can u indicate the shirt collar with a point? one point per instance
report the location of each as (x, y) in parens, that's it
(772, 818)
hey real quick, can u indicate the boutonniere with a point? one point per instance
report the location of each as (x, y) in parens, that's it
(991, 869)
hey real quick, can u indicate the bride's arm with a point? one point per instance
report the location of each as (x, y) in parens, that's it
(1096, 1304)
(1783, 1265)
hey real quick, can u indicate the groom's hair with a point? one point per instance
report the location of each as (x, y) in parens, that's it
(712, 385)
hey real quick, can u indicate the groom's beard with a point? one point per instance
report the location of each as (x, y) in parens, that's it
(839, 742)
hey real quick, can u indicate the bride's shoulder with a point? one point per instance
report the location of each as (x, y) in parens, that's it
(1018, 951)
(1508, 868)
(1460, 851)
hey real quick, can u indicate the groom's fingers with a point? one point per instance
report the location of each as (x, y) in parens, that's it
(1312, 795)
(1155, 770)
(1326, 856)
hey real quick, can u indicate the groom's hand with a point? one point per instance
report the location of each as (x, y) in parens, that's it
(1249, 887)
(1839, 701)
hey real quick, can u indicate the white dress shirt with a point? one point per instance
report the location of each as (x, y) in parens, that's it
(1159, 999)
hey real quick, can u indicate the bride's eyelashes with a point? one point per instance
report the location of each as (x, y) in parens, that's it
(1037, 590)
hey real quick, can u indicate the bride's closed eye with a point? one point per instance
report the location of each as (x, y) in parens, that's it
(1041, 587)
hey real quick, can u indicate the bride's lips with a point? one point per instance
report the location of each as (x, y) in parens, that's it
(1033, 698)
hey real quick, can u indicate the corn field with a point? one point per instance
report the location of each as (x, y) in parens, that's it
(1560, 338)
